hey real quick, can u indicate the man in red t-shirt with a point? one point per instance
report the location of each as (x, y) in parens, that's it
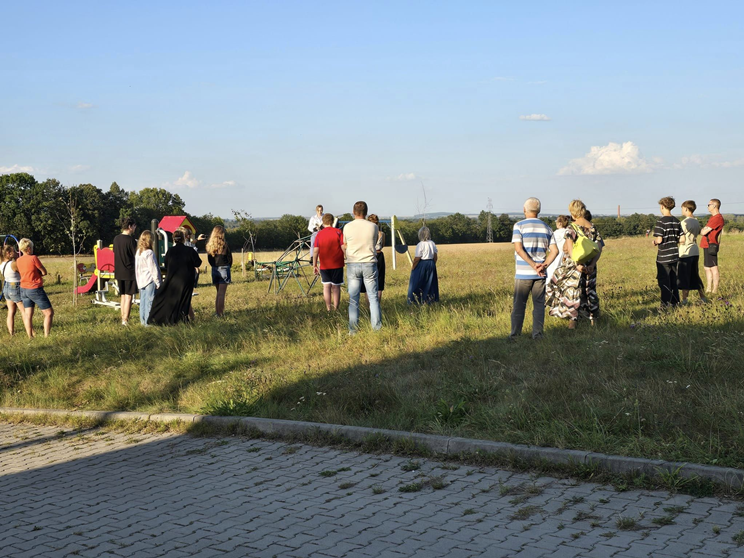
(328, 250)
(710, 242)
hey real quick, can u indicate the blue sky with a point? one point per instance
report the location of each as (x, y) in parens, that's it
(273, 107)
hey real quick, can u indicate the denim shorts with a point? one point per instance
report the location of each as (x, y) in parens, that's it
(35, 297)
(12, 291)
(221, 275)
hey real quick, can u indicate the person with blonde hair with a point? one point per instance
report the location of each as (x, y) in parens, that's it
(221, 260)
(172, 300)
(423, 285)
(147, 273)
(11, 286)
(573, 288)
(32, 288)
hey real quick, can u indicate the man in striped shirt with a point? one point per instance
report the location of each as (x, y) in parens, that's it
(667, 234)
(534, 250)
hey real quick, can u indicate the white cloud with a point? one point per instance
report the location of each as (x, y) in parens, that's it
(403, 177)
(535, 117)
(187, 180)
(16, 168)
(502, 78)
(79, 168)
(82, 105)
(613, 158)
(536, 82)
(225, 184)
(706, 162)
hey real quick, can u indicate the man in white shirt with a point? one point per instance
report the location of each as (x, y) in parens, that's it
(316, 221)
(360, 237)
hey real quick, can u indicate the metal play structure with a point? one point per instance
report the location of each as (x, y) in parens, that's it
(296, 262)
(295, 265)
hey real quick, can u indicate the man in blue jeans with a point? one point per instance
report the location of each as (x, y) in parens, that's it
(534, 251)
(360, 237)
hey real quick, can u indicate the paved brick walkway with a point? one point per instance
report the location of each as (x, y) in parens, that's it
(112, 494)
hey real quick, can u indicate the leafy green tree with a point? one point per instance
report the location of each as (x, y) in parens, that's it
(153, 203)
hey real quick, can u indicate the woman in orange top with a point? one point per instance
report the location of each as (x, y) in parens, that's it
(32, 288)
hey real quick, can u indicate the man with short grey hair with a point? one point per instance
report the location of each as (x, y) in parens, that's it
(535, 249)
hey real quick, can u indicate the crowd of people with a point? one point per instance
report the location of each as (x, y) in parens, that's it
(557, 269)
(358, 247)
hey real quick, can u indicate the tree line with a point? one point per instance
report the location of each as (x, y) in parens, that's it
(53, 215)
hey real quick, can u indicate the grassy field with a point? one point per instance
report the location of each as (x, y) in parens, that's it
(641, 383)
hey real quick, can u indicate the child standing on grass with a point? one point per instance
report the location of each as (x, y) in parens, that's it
(688, 274)
(667, 234)
(147, 273)
(11, 286)
(559, 235)
(32, 288)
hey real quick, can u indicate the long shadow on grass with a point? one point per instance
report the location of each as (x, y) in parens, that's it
(666, 387)
(658, 389)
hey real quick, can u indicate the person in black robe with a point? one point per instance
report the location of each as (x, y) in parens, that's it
(173, 299)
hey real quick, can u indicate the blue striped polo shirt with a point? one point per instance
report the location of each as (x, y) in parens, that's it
(536, 238)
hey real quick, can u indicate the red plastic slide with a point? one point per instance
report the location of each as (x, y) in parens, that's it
(90, 286)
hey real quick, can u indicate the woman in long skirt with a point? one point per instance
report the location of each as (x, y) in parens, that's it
(173, 299)
(572, 292)
(423, 287)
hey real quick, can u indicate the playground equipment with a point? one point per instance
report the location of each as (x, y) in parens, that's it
(166, 226)
(295, 263)
(401, 248)
(102, 278)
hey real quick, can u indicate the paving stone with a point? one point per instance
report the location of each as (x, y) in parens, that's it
(177, 496)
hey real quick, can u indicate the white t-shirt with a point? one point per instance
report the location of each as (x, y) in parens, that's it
(360, 237)
(426, 250)
(315, 222)
(560, 239)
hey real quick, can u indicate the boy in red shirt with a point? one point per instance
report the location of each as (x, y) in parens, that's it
(710, 242)
(328, 250)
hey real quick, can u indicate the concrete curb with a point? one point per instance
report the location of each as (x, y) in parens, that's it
(443, 445)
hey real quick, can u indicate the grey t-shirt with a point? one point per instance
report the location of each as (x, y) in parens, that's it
(690, 232)
(360, 237)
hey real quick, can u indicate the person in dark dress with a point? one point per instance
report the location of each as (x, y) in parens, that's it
(173, 298)
(125, 248)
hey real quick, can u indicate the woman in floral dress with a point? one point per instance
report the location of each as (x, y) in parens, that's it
(572, 291)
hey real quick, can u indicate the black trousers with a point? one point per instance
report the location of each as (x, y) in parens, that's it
(666, 275)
